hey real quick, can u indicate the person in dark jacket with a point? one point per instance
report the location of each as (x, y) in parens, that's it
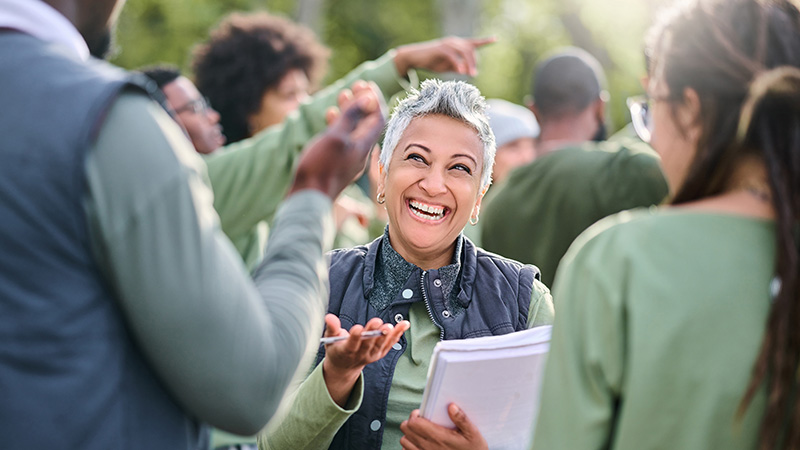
(435, 166)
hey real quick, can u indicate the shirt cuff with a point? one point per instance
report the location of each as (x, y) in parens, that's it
(541, 310)
(316, 384)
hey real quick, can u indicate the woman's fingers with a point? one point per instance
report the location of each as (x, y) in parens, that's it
(358, 350)
(465, 426)
(394, 334)
(333, 327)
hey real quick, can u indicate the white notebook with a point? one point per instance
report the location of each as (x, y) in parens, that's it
(495, 380)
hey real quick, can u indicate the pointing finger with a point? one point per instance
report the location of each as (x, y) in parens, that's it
(480, 42)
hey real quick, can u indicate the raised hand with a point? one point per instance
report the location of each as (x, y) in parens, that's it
(336, 156)
(422, 434)
(344, 360)
(450, 54)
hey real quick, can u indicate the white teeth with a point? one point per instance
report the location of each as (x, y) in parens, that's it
(436, 210)
(427, 216)
(427, 211)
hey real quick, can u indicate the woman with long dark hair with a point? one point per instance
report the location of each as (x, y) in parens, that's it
(679, 327)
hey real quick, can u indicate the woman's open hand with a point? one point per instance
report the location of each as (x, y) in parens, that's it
(422, 434)
(344, 360)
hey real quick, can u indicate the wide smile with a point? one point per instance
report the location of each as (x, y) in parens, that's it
(427, 212)
(218, 136)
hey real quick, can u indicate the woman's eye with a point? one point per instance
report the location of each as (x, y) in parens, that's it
(415, 157)
(463, 168)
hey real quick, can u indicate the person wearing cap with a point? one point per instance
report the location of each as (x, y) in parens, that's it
(515, 132)
(577, 177)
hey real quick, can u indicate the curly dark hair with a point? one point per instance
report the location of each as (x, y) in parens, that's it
(246, 55)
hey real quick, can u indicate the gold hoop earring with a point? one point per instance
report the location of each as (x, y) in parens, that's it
(474, 220)
(381, 198)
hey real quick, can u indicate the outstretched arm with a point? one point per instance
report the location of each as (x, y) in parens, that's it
(334, 389)
(189, 303)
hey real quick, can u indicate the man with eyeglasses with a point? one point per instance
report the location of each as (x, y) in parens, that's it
(578, 178)
(190, 109)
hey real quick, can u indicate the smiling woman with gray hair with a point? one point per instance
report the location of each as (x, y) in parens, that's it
(435, 166)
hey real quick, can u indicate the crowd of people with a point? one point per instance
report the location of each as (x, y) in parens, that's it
(175, 246)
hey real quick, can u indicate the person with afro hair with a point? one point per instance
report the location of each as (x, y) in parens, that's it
(256, 69)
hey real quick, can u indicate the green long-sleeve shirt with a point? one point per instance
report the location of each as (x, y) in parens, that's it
(225, 347)
(250, 177)
(660, 318)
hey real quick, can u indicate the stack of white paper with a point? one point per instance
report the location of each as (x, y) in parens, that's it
(495, 380)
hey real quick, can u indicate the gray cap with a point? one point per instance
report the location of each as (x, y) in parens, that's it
(510, 121)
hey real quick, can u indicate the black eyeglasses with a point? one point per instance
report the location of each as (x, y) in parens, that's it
(641, 108)
(196, 106)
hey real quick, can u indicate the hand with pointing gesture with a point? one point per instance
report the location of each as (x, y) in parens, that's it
(450, 54)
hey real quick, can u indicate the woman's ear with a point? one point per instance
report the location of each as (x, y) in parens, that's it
(690, 109)
(480, 198)
(689, 114)
(381, 188)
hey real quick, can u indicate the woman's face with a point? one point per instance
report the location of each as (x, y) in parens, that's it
(281, 100)
(432, 187)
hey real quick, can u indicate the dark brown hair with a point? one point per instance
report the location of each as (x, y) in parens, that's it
(741, 57)
(246, 55)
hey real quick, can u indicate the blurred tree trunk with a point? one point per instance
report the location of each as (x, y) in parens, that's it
(459, 17)
(581, 35)
(309, 13)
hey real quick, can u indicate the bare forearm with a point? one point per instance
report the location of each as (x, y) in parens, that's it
(340, 383)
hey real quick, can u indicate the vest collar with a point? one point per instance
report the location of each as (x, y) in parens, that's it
(388, 271)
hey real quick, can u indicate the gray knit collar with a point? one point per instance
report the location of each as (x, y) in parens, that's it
(392, 272)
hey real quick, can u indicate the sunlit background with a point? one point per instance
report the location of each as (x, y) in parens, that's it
(152, 31)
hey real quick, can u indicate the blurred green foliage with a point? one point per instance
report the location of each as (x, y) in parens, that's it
(152, 31)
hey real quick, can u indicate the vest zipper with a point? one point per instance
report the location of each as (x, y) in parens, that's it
(428, 306)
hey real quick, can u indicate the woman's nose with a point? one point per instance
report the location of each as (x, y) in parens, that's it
(433, 183)
(212, 115)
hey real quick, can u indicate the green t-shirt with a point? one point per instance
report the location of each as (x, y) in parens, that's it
(536, 213)
(661, 314)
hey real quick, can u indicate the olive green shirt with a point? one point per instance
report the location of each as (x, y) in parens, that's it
(661, 314)
(224, 345)
(313, 418)
(536, 213)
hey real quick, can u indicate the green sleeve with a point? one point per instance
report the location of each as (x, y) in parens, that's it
(312, 417)
(541, 310)
(224, 347)
(584, 372)
(251, 177)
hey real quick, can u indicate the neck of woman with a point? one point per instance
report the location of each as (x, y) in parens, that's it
(426, 260)
(747, 193)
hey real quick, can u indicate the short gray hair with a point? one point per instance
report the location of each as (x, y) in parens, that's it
(456, 99)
